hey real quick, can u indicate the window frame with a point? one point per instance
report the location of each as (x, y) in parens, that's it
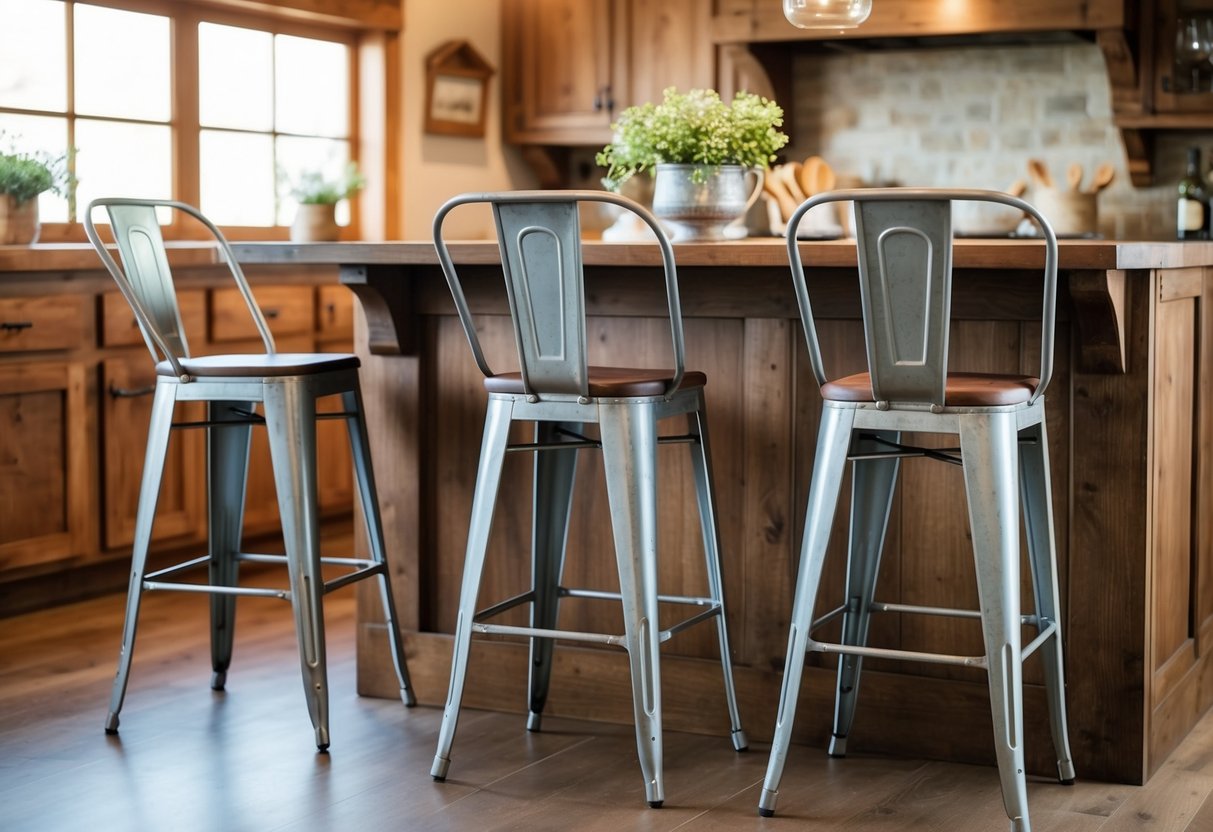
(184, 126)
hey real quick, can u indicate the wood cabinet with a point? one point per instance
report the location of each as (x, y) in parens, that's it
(562, 68)
(76, 384)
(1183, 45)
(571, 66)
(46, 486)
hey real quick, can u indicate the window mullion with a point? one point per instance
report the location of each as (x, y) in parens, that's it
(186, 154)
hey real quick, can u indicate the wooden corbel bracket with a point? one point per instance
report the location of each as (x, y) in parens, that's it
(1099, 301)
(386, 295)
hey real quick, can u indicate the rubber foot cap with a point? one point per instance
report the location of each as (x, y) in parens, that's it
(1069, 782)
(438, 779)
(113, 732)
(655, 804)
(766, 813)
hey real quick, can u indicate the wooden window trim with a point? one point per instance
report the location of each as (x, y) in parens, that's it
(373, 42)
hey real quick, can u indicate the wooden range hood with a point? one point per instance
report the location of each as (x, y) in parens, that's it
(755, 39)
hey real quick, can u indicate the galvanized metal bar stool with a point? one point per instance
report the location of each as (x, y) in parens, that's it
(905, 274)
(539, 236)
(286, 386)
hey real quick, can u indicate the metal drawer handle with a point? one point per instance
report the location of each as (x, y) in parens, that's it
(16, 326)
(130, 393)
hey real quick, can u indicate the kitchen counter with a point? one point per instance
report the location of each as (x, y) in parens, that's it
(1132, 455)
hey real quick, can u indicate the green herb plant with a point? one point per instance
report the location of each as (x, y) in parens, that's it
(25, 175)
(695, 128)
(314, 188)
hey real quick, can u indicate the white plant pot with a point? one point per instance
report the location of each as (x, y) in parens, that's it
(315, 223)
(18, 221)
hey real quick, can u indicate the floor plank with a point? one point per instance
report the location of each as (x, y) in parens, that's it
(192, 760)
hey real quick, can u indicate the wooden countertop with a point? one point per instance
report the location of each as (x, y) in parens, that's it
(968, 253)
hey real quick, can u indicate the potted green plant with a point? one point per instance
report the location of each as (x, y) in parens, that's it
(318, 195)
(23, 177)
(700, 150)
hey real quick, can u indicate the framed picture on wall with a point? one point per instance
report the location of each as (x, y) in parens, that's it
(456, 90)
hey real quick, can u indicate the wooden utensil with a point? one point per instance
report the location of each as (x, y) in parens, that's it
(1040, 172)
(816, 176)
(1017, 188)
(773, 185)
(790, 173)
(1104, 174)
(1074, 176)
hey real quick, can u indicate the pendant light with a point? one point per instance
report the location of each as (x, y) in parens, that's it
(826, 14)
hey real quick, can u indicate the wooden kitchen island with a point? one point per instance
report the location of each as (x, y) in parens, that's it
(1131, 430)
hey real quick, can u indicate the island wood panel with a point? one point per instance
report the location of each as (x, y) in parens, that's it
(1108, 538)
(1174, 431)
(1181, 686)
(456, 422)
(768, 518)
(1108, 554)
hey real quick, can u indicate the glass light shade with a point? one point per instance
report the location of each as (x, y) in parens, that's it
(826, 14)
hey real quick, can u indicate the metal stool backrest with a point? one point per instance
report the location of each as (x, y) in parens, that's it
(539, 236)
(147, 283)
(904, 240)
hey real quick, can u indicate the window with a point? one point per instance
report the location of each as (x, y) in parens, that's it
(228, 131)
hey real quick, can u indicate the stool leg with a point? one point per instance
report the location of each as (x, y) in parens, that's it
(488, 477)
(989, 446)
(629, 457)
(552, 500)
(1036, 491)
(364, 475)
(290, 421)
(833, 442)
(872, 484)
(158, 430)
(227, 450)
(705, 492)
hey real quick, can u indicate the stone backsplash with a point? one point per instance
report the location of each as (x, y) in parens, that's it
(972, 117)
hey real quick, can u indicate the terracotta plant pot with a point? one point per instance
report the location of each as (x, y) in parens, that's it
(18, 221)
(315, 223)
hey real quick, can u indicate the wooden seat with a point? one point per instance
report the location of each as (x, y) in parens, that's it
(555, 390)
(961, 389)
(260, 365)
(904, 240)
(286, 387)
(609, 382)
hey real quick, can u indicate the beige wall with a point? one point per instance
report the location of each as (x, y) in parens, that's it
(438, 167)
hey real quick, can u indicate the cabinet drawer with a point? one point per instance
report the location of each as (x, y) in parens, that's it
(58, 322)
(120, 329)
(287, 309)
(335, 313)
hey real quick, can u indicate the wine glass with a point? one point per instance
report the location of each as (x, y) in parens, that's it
(1193, 48)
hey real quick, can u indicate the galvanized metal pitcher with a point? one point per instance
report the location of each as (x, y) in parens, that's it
(709, 210)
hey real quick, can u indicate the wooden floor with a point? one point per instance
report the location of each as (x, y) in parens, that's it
(190, 759)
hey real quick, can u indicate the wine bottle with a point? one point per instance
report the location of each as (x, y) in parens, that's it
(1192, 221)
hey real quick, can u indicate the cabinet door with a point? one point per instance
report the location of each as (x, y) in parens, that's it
(671, 46)
(46, 483)
(562, 69)
(1183, 76)
(126, 405)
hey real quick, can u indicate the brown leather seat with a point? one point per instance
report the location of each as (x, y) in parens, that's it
(962, 390)
(256, 365)
(609, 382)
